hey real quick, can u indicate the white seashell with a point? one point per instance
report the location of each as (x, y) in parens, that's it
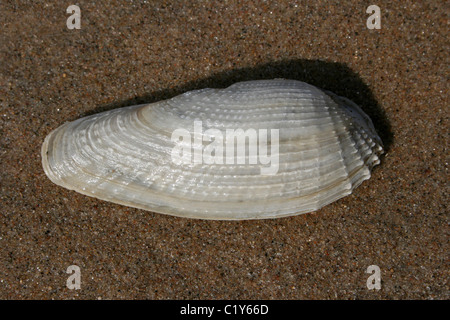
(134, 155)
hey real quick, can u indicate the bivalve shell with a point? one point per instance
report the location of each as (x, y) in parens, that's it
(257, 149)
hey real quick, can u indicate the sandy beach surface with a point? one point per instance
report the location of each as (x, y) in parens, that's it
(130, 52)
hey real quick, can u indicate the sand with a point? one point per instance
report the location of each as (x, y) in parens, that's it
(130, 52)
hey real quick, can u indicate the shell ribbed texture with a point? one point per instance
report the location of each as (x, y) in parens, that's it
(327, 147)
